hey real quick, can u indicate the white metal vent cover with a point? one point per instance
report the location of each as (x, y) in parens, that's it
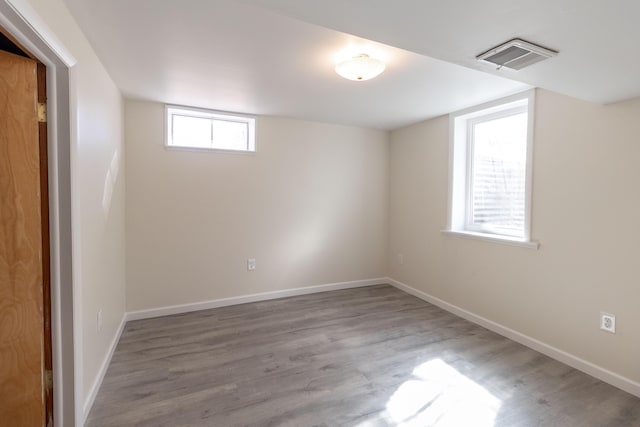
(516, 54)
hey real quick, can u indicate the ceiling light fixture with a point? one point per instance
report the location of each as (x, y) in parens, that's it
(359, 68)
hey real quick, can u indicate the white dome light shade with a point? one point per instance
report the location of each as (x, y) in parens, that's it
(360, 67)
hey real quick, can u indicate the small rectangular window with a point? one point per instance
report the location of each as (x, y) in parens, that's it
(490, 177)
(212, 130)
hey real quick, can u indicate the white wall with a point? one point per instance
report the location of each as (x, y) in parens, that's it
(586, 207)
(310, 205)
(97, 175)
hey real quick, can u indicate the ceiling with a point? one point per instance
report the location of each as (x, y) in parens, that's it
(277, 57)
(599, 58)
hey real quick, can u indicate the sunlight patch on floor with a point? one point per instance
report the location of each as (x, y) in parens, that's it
(440, 396)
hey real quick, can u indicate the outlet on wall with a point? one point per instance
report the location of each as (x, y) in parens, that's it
(400, 259)
(251, 264)
(99, 320)
(608, 322)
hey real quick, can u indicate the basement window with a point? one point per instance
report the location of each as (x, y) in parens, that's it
(490, 171)
(209, 130)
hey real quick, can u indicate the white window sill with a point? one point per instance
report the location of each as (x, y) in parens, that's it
(494, 238)
(207, 149)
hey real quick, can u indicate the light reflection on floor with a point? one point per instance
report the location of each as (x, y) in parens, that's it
(438, 395)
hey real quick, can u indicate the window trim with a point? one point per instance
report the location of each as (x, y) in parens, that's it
(171, 110)
(459, 178)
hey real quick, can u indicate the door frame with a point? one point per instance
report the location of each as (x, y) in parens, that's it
(19, 19)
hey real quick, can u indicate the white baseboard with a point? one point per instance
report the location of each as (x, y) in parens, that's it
(596, 371)
(263, 296)
(103, 370)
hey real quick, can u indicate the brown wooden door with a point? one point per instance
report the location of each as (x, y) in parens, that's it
(22, 325)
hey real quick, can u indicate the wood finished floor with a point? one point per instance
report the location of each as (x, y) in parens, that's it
(364, 357)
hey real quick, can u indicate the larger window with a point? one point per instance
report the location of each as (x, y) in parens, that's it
(490, 181)
(206, 129)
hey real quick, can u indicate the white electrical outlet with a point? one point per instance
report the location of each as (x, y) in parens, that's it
(251, 264)
(608, 322)
(99, 320)
(400, 259)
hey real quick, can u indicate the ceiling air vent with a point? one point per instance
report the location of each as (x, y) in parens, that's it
(516, 54)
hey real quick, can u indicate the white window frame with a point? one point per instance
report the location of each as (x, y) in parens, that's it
(173, 110)
(460, 168)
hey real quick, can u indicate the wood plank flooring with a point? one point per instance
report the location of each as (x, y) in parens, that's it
(364, 357)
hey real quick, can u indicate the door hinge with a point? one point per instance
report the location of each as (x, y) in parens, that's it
(48, 379)
(42, 112)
